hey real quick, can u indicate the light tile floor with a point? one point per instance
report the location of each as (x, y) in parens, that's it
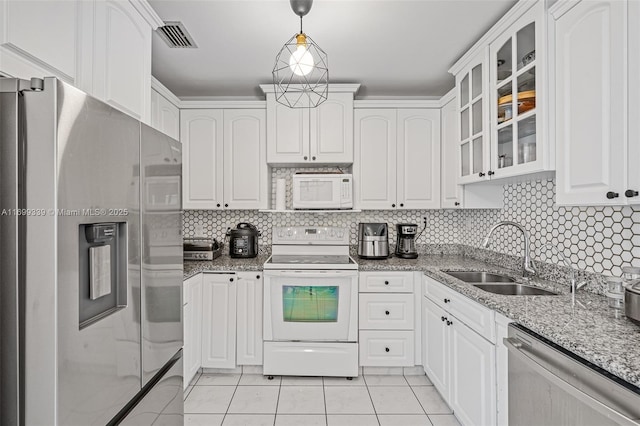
(249, 400)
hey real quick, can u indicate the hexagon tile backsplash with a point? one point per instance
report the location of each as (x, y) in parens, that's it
(595, 239)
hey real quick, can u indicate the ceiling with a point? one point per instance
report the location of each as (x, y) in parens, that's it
(393, 48)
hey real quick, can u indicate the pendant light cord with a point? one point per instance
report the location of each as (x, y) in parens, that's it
(300, 24)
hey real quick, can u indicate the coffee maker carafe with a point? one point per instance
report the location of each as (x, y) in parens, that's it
(373, 241)
(406, 241)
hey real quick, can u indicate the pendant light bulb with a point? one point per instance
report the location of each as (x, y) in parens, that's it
(301, 61)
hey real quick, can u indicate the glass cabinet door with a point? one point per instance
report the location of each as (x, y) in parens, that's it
(514, 111)
(472, 125)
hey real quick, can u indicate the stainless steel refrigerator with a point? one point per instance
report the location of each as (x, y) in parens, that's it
(91, 262)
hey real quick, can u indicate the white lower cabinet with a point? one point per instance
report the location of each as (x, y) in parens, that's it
(502, 373)
(249, 319)
(192, 327)
(460, 362)
(386, 319)
(219, 320)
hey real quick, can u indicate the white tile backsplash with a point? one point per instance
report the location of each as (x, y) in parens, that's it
(595, 239)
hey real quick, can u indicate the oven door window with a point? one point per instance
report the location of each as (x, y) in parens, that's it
(310, 303)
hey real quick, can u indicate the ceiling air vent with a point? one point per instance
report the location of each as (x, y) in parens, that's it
(176, 35)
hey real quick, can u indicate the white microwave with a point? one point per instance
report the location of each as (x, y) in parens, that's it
(322, 191)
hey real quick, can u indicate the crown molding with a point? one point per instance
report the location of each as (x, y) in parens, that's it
(448, 97)
(333, 88)
(213, 103)
(168, 94)
(396, 103)
(561, 7)
(144, 8)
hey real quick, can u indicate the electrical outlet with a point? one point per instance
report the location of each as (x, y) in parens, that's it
(199, 230)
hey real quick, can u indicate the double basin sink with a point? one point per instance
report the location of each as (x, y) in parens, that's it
(498, 284)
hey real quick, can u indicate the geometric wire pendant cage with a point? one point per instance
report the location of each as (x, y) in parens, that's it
(301, 71)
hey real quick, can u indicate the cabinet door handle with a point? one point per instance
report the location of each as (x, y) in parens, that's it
(393, 205)
(443, 319)
(230, 279)
(218, 205)
(611, 195)
(481, 174)
(447, 300)
(226, 205)
(449, 322)
(257, 277)
(386, 312)
(491, 173)
(630, 193)
(313, 158)
(305, 157)
(387, 349)
(401, 205)
(386, 283)
(456, 203)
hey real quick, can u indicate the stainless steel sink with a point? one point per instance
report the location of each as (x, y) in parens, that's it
(480, 277)
(515, 290)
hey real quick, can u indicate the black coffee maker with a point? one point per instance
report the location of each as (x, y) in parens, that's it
(406, 240)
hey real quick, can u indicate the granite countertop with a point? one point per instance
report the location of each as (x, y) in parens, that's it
(588, 328)
(224, 263)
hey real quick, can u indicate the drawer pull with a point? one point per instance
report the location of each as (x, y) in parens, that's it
(449, 322)
(386, 312)
(387, 349)
(447, 300)
(443, 319)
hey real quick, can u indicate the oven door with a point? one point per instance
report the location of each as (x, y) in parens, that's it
(311, 306)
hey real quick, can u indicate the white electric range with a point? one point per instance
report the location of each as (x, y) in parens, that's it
(311, 303)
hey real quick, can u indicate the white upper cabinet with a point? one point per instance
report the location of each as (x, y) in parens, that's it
(517, 93)
(418, 162)
(165, 116)
(450, 190)
(310, 136)
(473, 118)
(33, 44)
(596, 161)
(374, 168)
(501, 86)
(397, 158)
(103, 47)
(224, 159)
(122, 58)
(201, 134)
(245, 159)
(331, 130)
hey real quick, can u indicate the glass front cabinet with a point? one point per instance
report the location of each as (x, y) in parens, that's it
(500, 91)
(516, 90)
(472, 108)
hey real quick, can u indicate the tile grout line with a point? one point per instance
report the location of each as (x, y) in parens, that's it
(231, 400)
(375, 412)
(275, 417)
(324, 396)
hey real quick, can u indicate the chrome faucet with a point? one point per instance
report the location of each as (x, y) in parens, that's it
(527, 262)
(575, 286)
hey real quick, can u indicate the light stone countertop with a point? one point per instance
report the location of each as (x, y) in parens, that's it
(590, 329)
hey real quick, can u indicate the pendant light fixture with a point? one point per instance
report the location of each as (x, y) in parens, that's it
(301, 73)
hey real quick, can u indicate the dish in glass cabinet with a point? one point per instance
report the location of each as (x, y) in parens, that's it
(528, 58)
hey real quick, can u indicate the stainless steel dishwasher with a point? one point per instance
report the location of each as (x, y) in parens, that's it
(550, 386)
